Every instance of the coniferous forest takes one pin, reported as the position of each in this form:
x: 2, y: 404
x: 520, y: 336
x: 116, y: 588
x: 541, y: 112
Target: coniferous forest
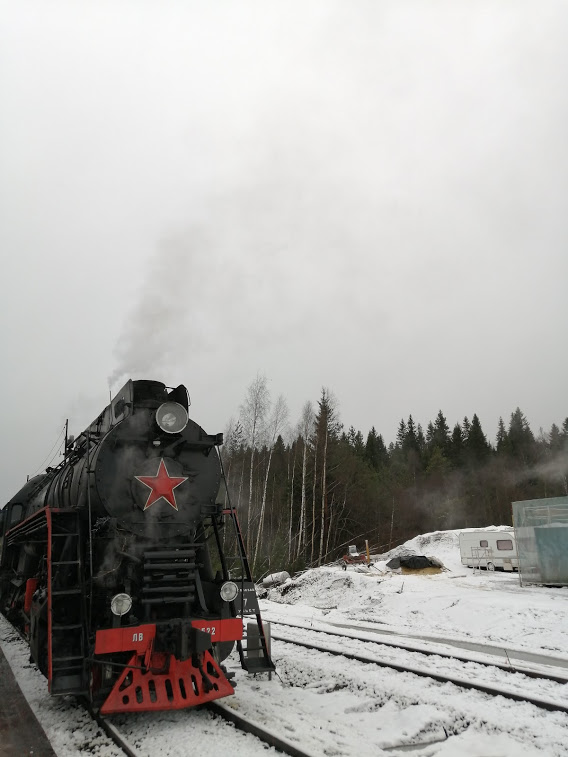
x: 305, y: 491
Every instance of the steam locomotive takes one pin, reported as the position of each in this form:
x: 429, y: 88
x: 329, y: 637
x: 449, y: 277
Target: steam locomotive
x: 112, y: 563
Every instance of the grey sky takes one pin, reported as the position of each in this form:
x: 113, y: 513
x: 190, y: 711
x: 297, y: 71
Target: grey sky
x: 369, y: 196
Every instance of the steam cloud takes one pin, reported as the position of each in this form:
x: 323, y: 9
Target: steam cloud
x: 167, y: 322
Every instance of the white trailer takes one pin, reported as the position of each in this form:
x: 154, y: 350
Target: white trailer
x: 489, y: 549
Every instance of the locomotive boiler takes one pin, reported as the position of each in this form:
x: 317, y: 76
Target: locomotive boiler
x: 112, y: 563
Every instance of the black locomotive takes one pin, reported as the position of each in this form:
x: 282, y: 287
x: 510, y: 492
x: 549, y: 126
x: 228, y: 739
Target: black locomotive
x: 112, y: 564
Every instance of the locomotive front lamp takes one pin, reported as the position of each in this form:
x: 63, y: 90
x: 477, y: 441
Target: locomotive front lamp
x: 120, y: 604
x: 172, y: 417
x: 229, y: 591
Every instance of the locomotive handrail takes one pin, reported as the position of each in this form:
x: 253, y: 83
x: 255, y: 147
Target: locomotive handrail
x: 22, y: 528
x: 90, y: 524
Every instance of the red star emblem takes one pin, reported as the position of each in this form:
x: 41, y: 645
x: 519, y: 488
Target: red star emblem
x: 161, y: 485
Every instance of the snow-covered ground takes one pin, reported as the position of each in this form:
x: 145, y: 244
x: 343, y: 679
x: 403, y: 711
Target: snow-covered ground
x: 331, y: 706
x: 458, y: 603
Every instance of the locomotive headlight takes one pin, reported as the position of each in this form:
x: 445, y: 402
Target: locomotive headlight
x: 229, y: 591
x: 171, y: 417
x: 120, y: 604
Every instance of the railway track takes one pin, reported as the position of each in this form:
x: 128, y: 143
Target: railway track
x: 219, y: 710
x: 546, y: 703
x: 542, y: 674
x: 301, y: 722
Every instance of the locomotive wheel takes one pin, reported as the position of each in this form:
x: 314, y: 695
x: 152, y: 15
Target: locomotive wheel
x: 229, y: 675
x: 222, y: 649
x: 95, y: 683
x: 38, y: 643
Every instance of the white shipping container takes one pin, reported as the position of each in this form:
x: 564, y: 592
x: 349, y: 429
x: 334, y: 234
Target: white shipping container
x: 489, y: 549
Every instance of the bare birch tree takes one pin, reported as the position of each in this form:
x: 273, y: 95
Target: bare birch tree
x: 291, y: 521
x: 274, y: 427
x: 306, y: 428
x: 314, y: 488
x: 233, y: 439
x: 252, y: 414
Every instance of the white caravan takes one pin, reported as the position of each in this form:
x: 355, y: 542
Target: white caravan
x: 489, y: 549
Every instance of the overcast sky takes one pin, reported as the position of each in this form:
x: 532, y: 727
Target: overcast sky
x: 370, y: 196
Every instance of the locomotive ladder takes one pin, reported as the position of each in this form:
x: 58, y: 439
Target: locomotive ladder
x: 66, y: 604
x: 257, y: 658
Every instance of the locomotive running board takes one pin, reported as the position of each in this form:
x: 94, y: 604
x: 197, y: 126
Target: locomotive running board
x: 181, y: 685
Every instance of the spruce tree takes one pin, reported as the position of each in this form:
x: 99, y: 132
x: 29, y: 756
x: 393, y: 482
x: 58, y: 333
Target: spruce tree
x: 441, y: 432
x: 411, y: 441
x: 382, y: 453
x: 502, y: 440
x: 371, y: 451
x: 359, y: 445
x: 555, y: 440
x: 421, y: 441
x: 456, y: 447
x: 327, y: 430
x: 477, y: 446
x: 521, y: 439
x: 401, y: 434
x: 438, y: 462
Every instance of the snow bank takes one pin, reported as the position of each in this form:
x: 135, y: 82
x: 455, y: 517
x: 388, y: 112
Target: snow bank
x: 456, y: 603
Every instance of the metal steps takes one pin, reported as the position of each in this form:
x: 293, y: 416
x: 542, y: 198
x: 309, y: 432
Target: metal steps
x: 256, y: 657
x: 66, y: 605
x: 171, y: 577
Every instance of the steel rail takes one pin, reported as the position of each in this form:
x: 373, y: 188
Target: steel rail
x: 415, y: 648
x: 248, y: 726
x: 544, y: 704
x: 112, y: 732
x: 221, y: 711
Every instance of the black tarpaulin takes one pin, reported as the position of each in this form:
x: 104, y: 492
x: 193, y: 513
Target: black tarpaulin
x: 414, y: 562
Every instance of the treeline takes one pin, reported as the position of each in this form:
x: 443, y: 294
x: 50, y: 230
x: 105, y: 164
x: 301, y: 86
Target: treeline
x: 304, y: 493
